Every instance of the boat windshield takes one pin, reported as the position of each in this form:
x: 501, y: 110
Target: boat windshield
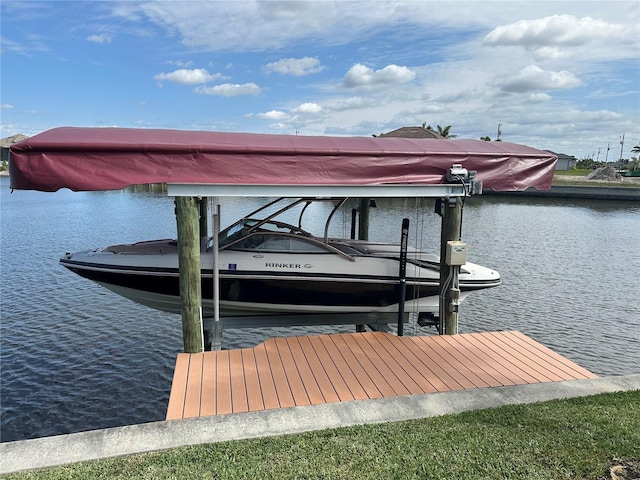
x: 269, y: 235
x: 278, y: 243
x: 236, y: 231
x: 273, y: 236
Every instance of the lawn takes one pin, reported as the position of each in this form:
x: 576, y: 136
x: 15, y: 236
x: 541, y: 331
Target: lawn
x: 572, y: 439
x: 580, y: 172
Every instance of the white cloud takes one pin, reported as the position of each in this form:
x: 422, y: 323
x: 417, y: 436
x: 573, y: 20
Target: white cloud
x: 351, y: 103
x: 185, y: 76
x: 230, y: 90
x: 295, y: 66
x: 272, y: 115
x: 539, y: 97
x: 553, y: 31
x: 533, y: 78
x: 308, y: 108
x: 102, y: 38
x: 558, y: 37
x: 7, y: 106
x: 362, y: 76
x: 181, y: 63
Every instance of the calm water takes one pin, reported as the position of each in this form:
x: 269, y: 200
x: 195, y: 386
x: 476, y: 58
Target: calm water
x: 76, y: 357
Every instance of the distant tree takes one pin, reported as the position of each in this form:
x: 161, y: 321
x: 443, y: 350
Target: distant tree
x: 486, y: 139
x: 585, y: 163
x: 636, y: 149
x: 634, y: 164
x: 4, y: 166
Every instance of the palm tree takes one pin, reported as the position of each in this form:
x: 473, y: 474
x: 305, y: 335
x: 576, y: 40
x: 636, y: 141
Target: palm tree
x: 441, y: 131
x: 445, y: 131
x: 636, y: 149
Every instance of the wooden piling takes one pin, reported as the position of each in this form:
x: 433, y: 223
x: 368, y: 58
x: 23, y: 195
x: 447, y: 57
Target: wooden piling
x: 189, y: 262
x: 363, y: 219
x: 451, y: 226
x: 204, y: 216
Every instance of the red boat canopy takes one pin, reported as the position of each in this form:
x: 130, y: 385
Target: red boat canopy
x: 113, y: 158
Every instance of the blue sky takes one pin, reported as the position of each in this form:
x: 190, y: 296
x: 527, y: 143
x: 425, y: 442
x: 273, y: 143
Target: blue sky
x: 556, y: 75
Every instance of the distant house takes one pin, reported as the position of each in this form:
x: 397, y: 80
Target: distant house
x: 565, y: 162
x: 6, y: 142
x: 411, y: 132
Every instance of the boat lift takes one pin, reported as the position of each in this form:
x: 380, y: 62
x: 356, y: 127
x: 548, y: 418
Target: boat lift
x: 449, y: 196
x: 215, y: 164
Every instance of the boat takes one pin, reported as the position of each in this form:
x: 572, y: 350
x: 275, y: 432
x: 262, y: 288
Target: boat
x: 268, y: 266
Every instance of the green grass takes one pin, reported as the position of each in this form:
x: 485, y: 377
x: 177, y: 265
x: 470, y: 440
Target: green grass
x: 559, y: 180
x: 572, y: 439
x: 579, y: 172
x: 594, y: 183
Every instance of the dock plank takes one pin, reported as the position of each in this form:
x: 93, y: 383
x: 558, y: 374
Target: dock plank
x: 283, y: 390
x: 353, y: 359
x: 446, y: 363
x: 309, y: 381
x: 294, y: 380
x: 394, y: 373
x: 515, y: 368
x: 252, y: 381
x: 411, y: 378
x: 549, y: 355
x: 265, y: 377
x: 208, y: 389
x: 475, y: 362
x: 175, y: 409
x: 518, y: 359
x: 343, y: 374
x: 318, y: 370
x: 295, y: 371
x: 437, y: 376
x: 223, y: 383
x: 239, y: 401
x: 497, y: 371
x: 194, y: 385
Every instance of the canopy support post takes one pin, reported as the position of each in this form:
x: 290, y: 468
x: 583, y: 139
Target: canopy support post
x: 216, y: 334
x: 189, y: 266
x: 363, y: 232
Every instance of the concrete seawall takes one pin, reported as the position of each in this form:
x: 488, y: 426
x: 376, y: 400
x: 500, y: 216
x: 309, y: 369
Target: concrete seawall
x: 148, y: 437
x: 574, y: 191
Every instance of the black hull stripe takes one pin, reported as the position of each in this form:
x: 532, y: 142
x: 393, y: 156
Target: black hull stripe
x: 268, y: 290
x: 251, y: 274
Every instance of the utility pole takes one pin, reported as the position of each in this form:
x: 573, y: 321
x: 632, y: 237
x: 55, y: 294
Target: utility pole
x: 499, y: 131
x: 621, y: 147
x: 606, y: 159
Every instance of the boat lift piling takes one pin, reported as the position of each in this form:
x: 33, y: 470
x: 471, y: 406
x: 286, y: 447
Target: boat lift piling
x: 189, y: 275
x: 363, y: 219
x: 203, y: 204
x: 451, y: 210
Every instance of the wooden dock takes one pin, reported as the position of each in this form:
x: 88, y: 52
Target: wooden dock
x: 295, y: 371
